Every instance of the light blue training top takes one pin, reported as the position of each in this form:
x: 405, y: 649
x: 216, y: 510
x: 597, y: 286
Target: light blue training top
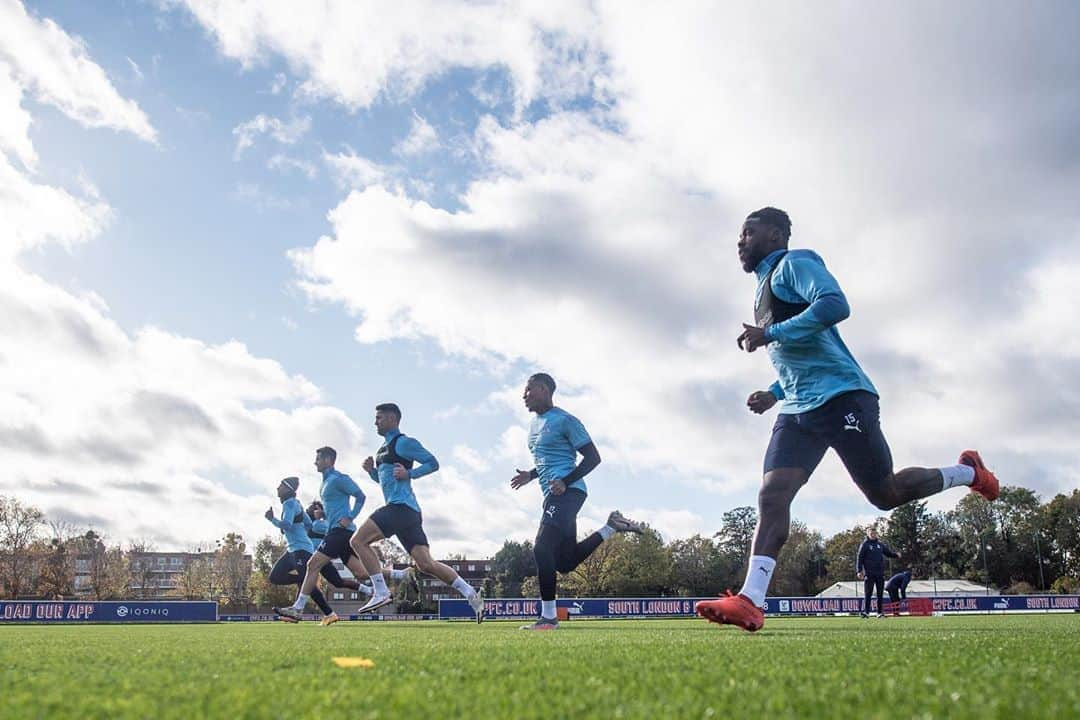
x: 813, y: 363
x: 400, y: 492
x: 554, y: 440
x: 337, y: 492
x: 293, y: 524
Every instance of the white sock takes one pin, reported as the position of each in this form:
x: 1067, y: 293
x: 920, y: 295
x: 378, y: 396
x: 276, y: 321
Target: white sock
x: 954, y: 475
x: 397, y: 575
x: 547, y: 609
x: 301, y: 601
x: 606, y: 532
x: 757, y: 578
x: 463, y: 587
x: 379, y: 583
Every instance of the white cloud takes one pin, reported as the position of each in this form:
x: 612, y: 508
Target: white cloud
x: 14, y: 121
x: 280, y: 80
x: 471, y: 459
x: 601, y: 246
x: 136, y: 71
x: 157, y: 434
x: 284, y: 163
x: 422, y: 138
x: 353, y: 51
x: 59, y: 69
x: 354, y: 171
x: 35, y: 214
x: 286, y: 132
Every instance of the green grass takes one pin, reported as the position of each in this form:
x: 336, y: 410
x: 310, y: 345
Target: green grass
x: 943, y: 667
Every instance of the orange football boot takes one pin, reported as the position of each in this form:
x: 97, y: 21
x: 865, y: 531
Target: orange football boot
x: 986, y: 484
x: 732, y: 610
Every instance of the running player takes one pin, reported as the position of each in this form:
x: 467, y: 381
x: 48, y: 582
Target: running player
x: 342, y: 500
x: 828, y: 402
x: 555, y: 439
x: 393, y: 468
x: 292, y: 565
x: 317, y: 532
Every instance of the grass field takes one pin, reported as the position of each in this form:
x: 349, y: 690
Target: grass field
x: 942, y: 667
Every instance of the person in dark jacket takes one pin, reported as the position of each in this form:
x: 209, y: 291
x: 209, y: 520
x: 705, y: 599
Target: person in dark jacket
x: 897, y: 586
x: 870, y: 567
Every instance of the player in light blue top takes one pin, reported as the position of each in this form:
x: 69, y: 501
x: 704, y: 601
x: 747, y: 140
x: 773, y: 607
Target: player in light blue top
x: 316, y: 530
x: 394, y: 467
x: 342, y: 500
x: 292, y: 565
x: 828, y: 402
x: 556, y: 438
x: 407, y: 451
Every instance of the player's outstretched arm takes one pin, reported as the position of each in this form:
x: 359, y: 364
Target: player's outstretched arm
x: 523, y: 477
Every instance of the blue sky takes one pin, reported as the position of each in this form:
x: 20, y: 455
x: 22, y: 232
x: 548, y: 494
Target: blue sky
x: 436, y: 199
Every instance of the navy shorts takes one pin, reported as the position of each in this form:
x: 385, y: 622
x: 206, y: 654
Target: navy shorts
x: 402, y: 521
x: 336, y: 545
x: 850, y: 424
x: 560, y: 511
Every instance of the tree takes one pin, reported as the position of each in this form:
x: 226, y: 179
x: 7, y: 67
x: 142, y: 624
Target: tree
x: 196, y: 581
x: 594, y: 576
x: 108, y: 574
x: 1060, y: 525
x: 142, y: 570
x: 390, y: 552
x: 981, y: 545
x: 694, y: 563
x: 800, y: 567
x: 232, y: 570
x: 56, y: 568
x: 735, y: 536
x: 904, y: 533
x: 841, y: 552
x: 943, y: 549
x: 19, y: 526
x: 640, y: 565
x: 512, y: 564
x: 263, y: 594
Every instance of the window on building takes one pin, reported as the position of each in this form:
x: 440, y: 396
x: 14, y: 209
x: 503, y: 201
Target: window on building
x: 487, y: 568
x: 472, y: 568
x: 174, y: 561
x: 339, y: 596
x: 354, y: 596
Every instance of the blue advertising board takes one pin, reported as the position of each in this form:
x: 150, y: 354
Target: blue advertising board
x: 113, y: 611
x: 521, y: 608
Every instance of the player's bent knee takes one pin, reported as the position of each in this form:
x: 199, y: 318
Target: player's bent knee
x: 883, y: 498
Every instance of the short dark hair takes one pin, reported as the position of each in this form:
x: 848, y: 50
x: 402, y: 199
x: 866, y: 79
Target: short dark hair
x: 775, y: 217
x: 389, y: 408
x: 545, y: 380
x: 327, y: 452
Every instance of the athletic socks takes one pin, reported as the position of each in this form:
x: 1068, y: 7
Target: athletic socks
x: 463, y: 587
x: 301, y: 601
x: 547, y: 609
x: 379, y: 583
x: 606, y: 532
x: 757, y: 578
x: 955, y: 475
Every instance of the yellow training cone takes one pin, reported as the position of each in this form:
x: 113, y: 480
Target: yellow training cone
x: 353, y: 662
